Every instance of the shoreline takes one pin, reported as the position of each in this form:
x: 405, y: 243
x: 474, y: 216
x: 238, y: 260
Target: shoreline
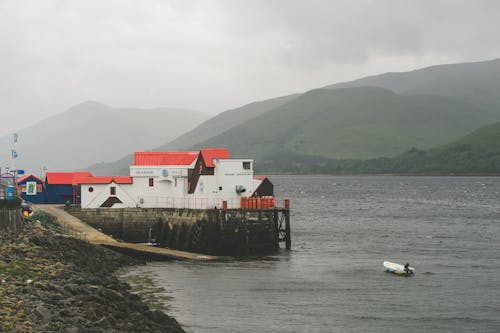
x: 49, y: 282
x: 386, y: 174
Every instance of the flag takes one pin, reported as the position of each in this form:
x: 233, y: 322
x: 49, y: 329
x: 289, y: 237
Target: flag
x: 15, y: 137
x: 14, y: 154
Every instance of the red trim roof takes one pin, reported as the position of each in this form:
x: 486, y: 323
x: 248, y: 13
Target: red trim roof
x: 209, y: 154
x: 65, y: 178
x: 24, y: 178
x: 104, y: 180
x: 164, y: 158
x: 260, y: 177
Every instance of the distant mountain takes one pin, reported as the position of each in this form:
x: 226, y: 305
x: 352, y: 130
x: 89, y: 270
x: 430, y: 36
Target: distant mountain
x: 475, y: 82
x: 377, y: 116
x: 363, y: 122
x: 92, y: 132
x: 421, y: 109
x: 212, y: 127
x: 223, y: 122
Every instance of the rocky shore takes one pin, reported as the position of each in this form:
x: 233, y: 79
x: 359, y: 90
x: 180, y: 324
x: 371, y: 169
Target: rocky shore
x: 53, y: 283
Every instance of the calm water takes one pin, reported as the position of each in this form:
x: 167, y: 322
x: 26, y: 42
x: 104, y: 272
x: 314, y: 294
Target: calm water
x: 448, y: 228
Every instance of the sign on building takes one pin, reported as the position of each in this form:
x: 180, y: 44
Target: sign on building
x: 30, y: 188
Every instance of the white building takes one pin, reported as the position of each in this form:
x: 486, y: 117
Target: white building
x: 204, y: 179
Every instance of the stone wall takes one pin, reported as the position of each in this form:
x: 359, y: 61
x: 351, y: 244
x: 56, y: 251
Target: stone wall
x: 213, y: 231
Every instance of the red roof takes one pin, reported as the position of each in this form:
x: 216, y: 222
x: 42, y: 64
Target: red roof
x: 104, y: 180
x: 209, y: 154
x: 165, y: 158
x: 260, y: 177
x: 65, y: 178
x: 24, y: 178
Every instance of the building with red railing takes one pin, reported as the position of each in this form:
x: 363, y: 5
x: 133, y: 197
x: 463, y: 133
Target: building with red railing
x: 203, y: 179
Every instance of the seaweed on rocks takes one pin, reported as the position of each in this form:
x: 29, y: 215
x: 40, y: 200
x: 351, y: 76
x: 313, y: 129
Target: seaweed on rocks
x: 52, y: 283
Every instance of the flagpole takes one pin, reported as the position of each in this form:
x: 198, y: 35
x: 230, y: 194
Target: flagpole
x: 14, y: 156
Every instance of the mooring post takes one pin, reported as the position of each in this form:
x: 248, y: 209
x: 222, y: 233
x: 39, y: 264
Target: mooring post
x: 288, y: 236
x: 276, y: 232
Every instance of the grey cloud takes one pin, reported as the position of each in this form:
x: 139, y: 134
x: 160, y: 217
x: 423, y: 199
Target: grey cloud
x: 214, y: 55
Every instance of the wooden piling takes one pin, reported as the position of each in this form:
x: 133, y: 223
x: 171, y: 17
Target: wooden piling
x: 276, y: 232
x: 288, y: 235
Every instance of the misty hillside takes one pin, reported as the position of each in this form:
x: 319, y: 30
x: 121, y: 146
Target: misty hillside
x: 362, y: 122
x: 213, y: 126
x: 423, y: 108
x: 476, y: 82
x: 476, y: 153
x: 92, y: 132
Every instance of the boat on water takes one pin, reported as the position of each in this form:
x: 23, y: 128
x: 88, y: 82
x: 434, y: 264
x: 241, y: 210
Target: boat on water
x: 398, y: 269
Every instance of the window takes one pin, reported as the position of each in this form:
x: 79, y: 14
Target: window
x: 112, y: 190
x: 151, y: 182
x: 220, y: 188
x: 91, y: 189
x: 246, y: 165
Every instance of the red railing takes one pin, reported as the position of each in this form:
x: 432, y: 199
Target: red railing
x: 267, y: 202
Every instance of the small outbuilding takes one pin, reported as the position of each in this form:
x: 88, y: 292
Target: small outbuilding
x: 106, y: 191
x: 31, y: 188
x: 61, y: 187
x: 263, y: 187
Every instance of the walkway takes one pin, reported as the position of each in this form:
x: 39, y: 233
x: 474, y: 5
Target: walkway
x: 84, y: 231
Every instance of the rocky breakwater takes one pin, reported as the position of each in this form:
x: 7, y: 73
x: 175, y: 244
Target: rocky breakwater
x: 52, y: 283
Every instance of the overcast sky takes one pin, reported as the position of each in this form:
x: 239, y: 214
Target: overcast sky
x: 216, y: 55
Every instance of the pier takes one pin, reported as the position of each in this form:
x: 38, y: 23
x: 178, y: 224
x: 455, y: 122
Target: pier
x: 81, y: 230
x: 217, y: 232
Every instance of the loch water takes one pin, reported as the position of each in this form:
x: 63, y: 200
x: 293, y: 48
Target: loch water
x: 333, y: 280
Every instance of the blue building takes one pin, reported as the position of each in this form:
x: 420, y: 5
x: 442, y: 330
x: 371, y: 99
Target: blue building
x: 31, y: 188
x: 61, y: 187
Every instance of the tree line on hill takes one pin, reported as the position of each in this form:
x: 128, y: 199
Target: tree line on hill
x: 476, y: 153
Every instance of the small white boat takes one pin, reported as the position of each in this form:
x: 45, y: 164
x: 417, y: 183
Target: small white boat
x: 398, y: 269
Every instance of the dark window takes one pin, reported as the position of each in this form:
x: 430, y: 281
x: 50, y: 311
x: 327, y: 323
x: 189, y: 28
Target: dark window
x: 246, y: 165
x: 91, y: 189
x: 151, y: 182
x: 220, y: 188
x: 112, y: 190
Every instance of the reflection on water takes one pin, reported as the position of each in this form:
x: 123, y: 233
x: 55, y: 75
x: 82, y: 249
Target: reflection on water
x: 343, y: 228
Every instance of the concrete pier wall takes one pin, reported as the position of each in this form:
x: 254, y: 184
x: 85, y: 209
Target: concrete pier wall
x: 213, y: 231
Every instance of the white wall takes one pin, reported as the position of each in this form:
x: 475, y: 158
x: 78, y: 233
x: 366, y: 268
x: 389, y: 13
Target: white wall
x: 101, y: 192
x: 170, y: 187
x: 222, y: 185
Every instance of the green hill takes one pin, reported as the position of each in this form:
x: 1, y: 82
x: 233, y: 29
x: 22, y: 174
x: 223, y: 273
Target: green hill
x: 476, y: 153
x: 383, y: 115
x: 92, y: 132
x: 362, y: 122
x: 224, y: 121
